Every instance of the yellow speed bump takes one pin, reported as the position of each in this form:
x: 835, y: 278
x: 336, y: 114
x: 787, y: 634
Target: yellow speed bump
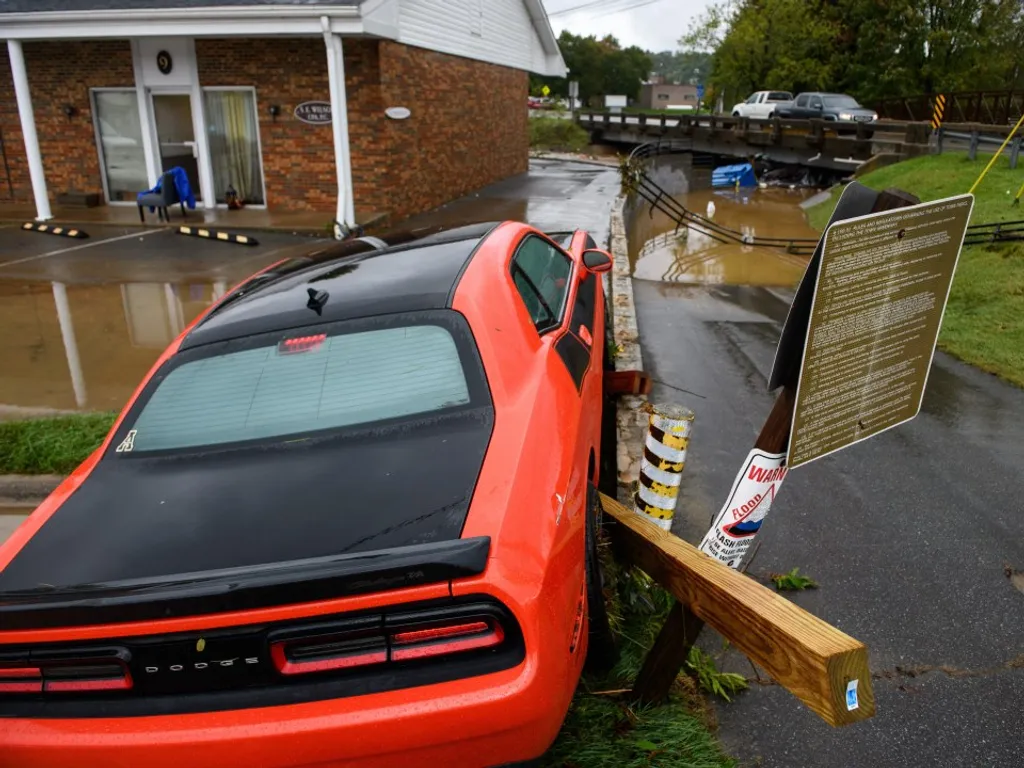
x: 49, y: 229
x: 214, y: 234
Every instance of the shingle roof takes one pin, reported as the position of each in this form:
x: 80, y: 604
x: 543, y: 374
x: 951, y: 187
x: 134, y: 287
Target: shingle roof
x: 27, y: 6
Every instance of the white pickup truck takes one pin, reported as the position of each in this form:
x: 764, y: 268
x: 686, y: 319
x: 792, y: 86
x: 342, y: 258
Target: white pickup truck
x: 761, y: 104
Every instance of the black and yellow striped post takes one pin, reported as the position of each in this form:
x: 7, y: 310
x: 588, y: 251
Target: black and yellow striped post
x: 938, y: 110
x: 215, y: 234
x: 661, y: 468
x: 50, y: 229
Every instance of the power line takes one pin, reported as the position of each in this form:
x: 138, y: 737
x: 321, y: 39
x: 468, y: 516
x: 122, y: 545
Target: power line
x: 582, y: 6
x: 639, y: 4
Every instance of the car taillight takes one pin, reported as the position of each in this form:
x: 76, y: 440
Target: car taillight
x: 66, y: 676
x: 320, y: 654
x: 409, y: 637
x: 445, y: 639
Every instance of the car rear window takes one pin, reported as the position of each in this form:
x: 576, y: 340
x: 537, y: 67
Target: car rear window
x: 300, y: 382
x: 779, y: 96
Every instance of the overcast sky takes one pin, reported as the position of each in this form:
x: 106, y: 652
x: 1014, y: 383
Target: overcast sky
x: 652, y: 24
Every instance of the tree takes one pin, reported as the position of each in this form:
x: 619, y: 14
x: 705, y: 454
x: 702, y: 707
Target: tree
x: 600, y: 66
x: 681, y: 67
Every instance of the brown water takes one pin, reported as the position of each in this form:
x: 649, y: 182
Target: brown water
x: 86, y: 347
x: 659, y: 253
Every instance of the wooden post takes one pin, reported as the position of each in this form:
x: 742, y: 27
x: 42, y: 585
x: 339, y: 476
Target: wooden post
x: 684, y: 624
x: 813, y: 660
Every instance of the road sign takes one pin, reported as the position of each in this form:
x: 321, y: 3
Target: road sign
x: 748, y: 504
x: 574, y: 89
x: 545, y: 91
x: 878, y: 302
x: 700, y: 93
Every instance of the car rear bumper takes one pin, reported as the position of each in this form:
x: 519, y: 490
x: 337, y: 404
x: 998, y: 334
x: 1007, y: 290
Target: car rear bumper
x: 491, y: 720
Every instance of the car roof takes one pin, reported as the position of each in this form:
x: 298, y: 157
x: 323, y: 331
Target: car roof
x: 353, y: 279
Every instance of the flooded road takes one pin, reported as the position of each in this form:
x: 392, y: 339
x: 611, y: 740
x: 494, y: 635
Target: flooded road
x: 659, y: 253
x: 84, y: 320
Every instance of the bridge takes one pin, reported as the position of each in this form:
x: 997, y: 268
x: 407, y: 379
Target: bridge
x: 825, y: 144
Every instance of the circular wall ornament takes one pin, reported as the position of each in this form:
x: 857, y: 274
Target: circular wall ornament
x: 397, y: 113
x: 164, y: 62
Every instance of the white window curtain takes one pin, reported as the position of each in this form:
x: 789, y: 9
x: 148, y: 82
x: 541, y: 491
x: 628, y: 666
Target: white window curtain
x: 234, y: 146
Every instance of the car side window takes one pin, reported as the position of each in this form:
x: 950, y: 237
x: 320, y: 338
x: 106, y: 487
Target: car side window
x: 753, y: 99
x: 801, y: 101
x: 815, y: 102
x: 541, y: 274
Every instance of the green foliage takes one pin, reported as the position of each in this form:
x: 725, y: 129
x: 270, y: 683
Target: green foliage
x: 792, y: 581
x: 554, y: 133
x: 600, y: 66
x: 51, y: 446
x: 681, y: 67
x: 984, y: 321
x: 717, y: 683
x: 864, y: 47
x: 604, y: 730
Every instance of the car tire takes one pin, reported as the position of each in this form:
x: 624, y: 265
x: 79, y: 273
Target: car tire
x: 771, y: 115
x: 602, y: 649
x: 736, y: 114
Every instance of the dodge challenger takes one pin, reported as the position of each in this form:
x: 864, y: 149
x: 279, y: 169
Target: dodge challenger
x: 349, y: 518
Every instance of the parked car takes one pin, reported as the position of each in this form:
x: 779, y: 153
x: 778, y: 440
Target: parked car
x: 761, y: 104
x: 829, y: 106
x: 349, y: 518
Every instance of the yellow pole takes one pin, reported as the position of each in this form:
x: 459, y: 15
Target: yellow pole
x: 996, y: 155
x: 1016, y: 198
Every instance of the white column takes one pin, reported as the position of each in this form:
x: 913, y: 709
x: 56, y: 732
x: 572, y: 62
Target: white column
x: 145, y: 121
x: 67, y: 333
x: 28, y: 130
x: 339, y: 124
x: 208, y: 193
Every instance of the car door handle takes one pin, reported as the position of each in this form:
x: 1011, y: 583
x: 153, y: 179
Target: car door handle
x: 585, y: 336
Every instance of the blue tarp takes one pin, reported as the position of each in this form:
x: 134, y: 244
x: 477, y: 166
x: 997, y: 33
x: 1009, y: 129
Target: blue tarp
x: 727, y: 176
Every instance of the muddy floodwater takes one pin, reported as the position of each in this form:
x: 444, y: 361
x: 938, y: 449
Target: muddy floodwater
x: 658, y: 252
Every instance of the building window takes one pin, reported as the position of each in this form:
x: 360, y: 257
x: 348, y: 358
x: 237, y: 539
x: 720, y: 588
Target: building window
x: 119, y: 135
x: 662, y: 97
x: 234, y: 144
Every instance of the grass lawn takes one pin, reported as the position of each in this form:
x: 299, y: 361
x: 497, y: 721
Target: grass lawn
x: 984, y: 322
x: 554, y: 133
x: 605, y: 730
x: 51, y: 446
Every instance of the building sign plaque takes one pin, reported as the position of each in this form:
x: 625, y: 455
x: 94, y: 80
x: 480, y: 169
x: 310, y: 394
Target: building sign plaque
x: 314, y: 112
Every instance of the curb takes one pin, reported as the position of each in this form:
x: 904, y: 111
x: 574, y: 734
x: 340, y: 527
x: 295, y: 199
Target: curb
x: 27, y: 490
x: 630, y: 418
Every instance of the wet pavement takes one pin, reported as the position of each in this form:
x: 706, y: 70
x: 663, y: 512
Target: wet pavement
x: 84, y: 320
x: 11, y: 518
x: 908, y: 534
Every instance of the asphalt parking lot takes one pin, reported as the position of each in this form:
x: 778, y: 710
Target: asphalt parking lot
x: 118, y: 253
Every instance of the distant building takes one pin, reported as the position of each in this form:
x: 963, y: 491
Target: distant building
x: 341, y: 106
x: 658, y: 95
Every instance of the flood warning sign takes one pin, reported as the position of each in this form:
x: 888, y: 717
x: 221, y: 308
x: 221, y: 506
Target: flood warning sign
x: 748, y: 504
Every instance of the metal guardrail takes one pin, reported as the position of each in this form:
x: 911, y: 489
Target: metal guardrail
x: 635, y: 178
x: 975, y: 138
x: 989, y: 107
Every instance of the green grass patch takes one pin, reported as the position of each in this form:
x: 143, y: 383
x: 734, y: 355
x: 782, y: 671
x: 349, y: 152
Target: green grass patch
x: 792, y: 581
x: 604, y: 729
x: 51, y: 446
x: 984, y: 322
x: 556, y: 134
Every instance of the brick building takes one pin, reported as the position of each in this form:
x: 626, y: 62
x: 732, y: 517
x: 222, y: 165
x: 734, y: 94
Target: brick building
x: 342, y: 106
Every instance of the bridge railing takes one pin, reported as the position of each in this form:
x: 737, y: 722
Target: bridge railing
x: 985, y: 107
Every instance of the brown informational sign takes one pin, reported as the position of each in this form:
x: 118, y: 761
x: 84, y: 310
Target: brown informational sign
x: 878, y: 303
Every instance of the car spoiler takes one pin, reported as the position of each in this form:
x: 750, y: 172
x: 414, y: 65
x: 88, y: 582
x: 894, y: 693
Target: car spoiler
x: 245, y: 588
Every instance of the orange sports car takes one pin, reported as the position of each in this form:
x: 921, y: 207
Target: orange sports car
x: 348, y: 519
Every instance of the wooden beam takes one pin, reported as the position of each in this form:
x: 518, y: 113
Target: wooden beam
x: 668, y: 655
x: 811, y: 659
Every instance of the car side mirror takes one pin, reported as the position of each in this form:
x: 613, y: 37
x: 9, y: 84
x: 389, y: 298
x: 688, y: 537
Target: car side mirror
x: 596, y: 260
